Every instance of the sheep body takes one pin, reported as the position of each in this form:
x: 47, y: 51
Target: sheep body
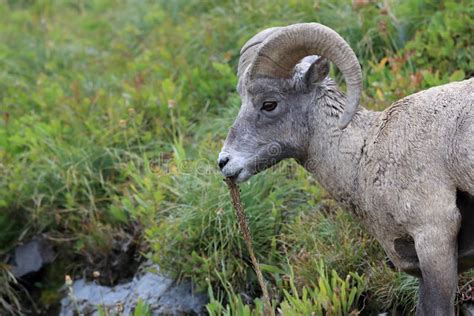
x: 420, y: 151
x: 401, y: 172
x: 388, y: 165
x: 407, y: 173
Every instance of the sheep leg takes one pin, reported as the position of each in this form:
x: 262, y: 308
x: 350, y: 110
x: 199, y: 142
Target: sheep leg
x: 437, y: 253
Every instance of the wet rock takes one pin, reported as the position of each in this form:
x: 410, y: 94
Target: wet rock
x: 161, y: 294
x: 31, y: 257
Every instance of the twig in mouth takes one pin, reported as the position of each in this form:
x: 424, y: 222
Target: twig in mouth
x: 244, y: 228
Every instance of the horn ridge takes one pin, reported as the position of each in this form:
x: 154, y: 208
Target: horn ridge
x: 280, y: 51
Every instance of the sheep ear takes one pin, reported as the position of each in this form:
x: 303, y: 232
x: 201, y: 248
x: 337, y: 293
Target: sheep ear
x: 316, y: 73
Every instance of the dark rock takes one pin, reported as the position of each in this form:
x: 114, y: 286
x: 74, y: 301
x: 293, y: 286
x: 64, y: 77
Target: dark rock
x: 180, y: 299
x: 31, y: 257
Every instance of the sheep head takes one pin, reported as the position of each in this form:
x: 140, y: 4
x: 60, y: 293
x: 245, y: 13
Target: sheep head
x: 279, y: 69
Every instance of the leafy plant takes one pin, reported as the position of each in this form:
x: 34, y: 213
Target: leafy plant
x: 235, y: 307
x: 332, y: 295
x: 141, y: 309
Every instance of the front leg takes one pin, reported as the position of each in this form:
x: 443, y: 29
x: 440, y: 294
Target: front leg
x: 436, y: 247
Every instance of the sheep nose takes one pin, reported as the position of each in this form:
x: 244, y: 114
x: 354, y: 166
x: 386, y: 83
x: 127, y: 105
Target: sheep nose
x: 223, y: 160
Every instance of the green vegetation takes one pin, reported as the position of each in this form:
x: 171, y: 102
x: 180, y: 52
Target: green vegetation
x: 112, y: 115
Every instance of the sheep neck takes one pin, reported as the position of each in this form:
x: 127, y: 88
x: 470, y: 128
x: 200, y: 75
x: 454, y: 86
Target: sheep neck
x: 333, y: 155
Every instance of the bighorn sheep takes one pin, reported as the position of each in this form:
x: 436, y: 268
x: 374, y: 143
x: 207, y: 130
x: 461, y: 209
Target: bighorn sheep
x: 407, y: 173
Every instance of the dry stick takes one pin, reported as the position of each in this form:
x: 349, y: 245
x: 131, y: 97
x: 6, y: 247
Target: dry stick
x: 239, y: 212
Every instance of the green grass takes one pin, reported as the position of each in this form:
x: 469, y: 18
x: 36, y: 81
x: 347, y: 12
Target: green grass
x: 112, y: 115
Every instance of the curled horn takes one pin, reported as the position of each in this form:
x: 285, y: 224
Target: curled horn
x: 283, y: 48
x: 250, y: 49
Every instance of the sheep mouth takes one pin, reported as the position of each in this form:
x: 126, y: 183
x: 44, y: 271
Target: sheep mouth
x: 241, y: 175
x: 250, y: 169
x: 235, y: 175
x: 238, y: 173
x: 240, y: 170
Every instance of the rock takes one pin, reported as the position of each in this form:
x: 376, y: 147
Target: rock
x: 31, y: 257
x: 180, y: 299
x: 161, y: 294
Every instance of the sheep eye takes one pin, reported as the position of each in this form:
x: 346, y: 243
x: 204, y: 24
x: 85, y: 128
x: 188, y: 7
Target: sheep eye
x: 269, y: 106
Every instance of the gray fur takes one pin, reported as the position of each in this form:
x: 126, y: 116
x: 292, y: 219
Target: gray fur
x: 406, y: 173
